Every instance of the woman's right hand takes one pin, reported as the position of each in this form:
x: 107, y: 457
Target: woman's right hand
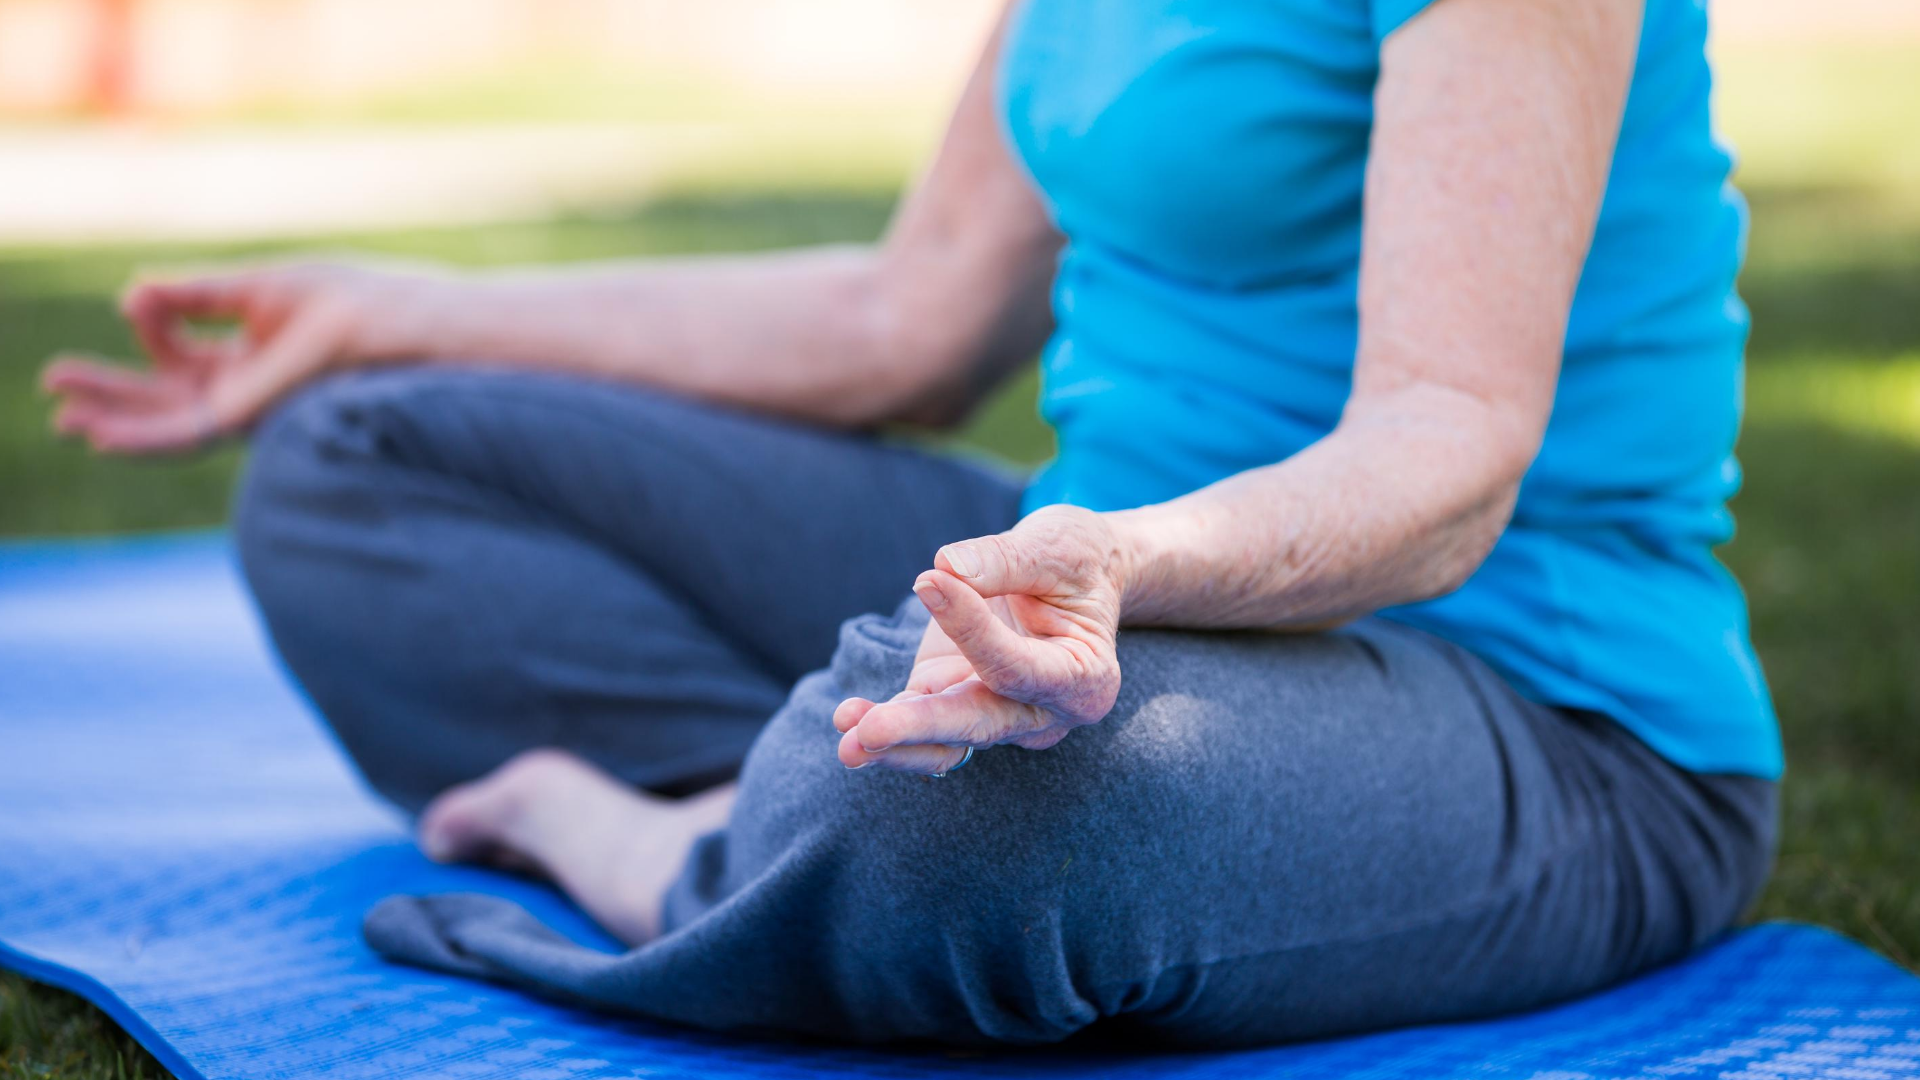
x: 295, y: 322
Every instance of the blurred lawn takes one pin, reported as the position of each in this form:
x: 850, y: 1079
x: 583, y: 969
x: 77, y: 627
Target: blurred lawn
x: 1829, y: 520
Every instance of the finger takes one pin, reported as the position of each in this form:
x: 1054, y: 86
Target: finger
x: 158, y: 311
x: 79, y: 375
x: 162, y: 418
x: 246, y: 390
x: 927, y: 677
x: 933, y: 642
x: 221, y: 294
x: 169, y: 431
x: 967, y: 715
x: 934, y: 674
x: 1007, y: 662
x: 849, y: 712
x: 996, y: 566
x: 73, y: 417
x: 925, y: 760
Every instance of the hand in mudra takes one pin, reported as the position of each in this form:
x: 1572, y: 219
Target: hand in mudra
x: 1020, y: 649
x: 293, y: 322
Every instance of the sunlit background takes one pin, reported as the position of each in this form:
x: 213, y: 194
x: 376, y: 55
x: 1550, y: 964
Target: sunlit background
x: 157, y: 132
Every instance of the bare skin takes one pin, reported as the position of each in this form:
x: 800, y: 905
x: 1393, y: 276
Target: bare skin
x: 1494, y: 128
x: 917, y: 327
x: 610, y: 847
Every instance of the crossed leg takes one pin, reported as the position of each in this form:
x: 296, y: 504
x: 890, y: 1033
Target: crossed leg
x: 459, y: 565
x: 1271, y: 837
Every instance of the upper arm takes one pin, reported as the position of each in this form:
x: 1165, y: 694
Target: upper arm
x: 969, y: 257
x: 1494, y: 126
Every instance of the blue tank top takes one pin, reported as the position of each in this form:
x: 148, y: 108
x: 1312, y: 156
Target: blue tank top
x: 1204, y: 159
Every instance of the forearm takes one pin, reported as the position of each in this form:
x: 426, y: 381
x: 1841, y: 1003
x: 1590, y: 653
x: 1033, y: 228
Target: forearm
x: 1399, y: 504
x: 803, y: 333
x: 1494, y: 128
x: 918, y: 326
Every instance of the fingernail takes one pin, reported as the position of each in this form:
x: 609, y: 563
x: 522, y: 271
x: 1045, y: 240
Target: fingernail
x: 856, y: 768
x: 930, y: 596
x: 964, y: 562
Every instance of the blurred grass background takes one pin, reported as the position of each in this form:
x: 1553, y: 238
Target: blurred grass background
x: 1829, y: 522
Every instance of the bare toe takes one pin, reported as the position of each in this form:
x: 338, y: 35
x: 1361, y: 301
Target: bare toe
x: 614, y: 849
x: 484, y: 820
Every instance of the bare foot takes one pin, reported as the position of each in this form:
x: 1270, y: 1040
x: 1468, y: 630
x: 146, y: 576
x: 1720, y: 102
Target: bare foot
x: 613, y: 848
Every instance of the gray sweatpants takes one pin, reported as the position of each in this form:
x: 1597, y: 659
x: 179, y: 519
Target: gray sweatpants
x: 1271, y: 837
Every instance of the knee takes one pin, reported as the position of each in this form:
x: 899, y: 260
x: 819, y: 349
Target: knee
x: 309, y: 526
x: 320, y: 472
x: 292, y: 474
x: 989, y: 905
x: 943, y: 916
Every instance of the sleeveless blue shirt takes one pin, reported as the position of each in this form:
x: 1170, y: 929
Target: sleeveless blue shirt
x: 1204, y: 159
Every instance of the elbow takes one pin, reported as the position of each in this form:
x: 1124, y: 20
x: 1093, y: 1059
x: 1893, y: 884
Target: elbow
x: 1458, y: 461
x: 1466, y: 542
x: 871, y: 368
x: 1512, y: 448
x: 906, y: 369
x: 1499, y: 448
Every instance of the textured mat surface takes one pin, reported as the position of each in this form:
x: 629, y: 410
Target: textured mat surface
x: 180, y: 843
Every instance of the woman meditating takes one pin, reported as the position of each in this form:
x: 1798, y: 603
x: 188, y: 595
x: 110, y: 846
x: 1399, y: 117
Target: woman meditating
x: 1360, y: 660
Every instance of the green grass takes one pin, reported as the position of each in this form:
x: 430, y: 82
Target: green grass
x: 46, y: 1034
x: 1829, y: 524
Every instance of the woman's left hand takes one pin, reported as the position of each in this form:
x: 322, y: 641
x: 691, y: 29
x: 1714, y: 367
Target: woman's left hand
x: 1020, y: 649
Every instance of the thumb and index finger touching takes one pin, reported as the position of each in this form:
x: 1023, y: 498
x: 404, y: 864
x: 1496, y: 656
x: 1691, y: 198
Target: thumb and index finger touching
x: 956, y: 592
x: 159, y: 308
x: 193, y: 394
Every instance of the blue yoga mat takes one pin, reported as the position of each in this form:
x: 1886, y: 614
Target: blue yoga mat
x: 181, y: 844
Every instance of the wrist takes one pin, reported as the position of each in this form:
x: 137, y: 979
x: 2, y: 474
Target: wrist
x: 1150, y: 546
x: 419, y: 316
